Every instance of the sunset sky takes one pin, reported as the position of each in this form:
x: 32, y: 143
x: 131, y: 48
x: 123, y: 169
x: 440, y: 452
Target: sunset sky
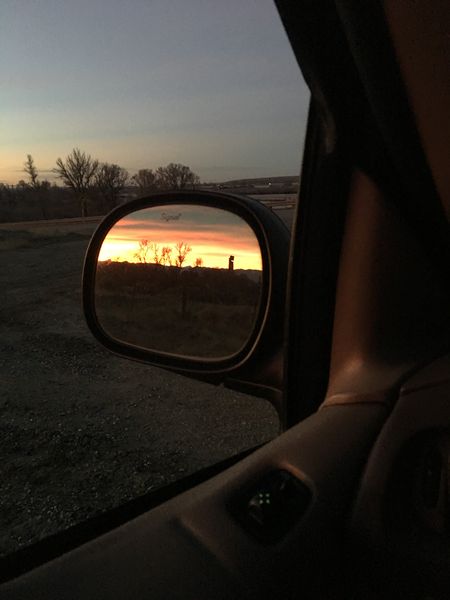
x: 213, y: 235
x: 142, y: 83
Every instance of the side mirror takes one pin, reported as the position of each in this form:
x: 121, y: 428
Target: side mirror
x: 187, y: 281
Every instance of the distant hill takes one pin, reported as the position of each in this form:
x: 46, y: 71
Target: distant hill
x: 288, y: 184
x: 263, y: 181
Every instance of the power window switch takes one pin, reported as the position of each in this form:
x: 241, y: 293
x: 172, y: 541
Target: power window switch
x: 270, y: 508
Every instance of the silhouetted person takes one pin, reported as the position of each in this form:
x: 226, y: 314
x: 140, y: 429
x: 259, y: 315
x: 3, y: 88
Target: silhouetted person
x: 231, y: 263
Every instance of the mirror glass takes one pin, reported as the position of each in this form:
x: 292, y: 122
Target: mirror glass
x: 184, y: 279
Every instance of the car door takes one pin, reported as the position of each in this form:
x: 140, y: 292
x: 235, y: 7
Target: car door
x: 357, y: 484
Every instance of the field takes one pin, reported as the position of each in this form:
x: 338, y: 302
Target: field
x: 198, y: 312
x: 81, y: 430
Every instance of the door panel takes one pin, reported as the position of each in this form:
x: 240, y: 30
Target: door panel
x: 193, y: 547
x: 400, y: 524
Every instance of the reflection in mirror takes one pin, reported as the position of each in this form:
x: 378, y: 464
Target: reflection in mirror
x: 184, y: 279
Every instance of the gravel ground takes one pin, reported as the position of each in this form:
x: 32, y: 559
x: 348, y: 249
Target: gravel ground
x: 81, y: 430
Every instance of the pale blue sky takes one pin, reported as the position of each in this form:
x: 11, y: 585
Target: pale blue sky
x: 211, y: 84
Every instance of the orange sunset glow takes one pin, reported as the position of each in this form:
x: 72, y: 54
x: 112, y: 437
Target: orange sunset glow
x: 212, y: 234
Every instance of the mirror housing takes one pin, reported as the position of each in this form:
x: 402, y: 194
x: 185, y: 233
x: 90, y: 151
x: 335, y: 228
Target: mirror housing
x: 257, y: 366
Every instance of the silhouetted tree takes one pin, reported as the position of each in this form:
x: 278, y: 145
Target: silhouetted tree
x: 176, y: 177
x: 173, y: 176
x: 156, y: 254
x: 8, y: 201
x: 141, y: 254
x: 145, y: 180
x: 166, y: 253
x: 110, y: 179
x: 78, y: 172
x: 30, y: 169
x: 40, y: 189
x: 198, y: 262
x: 182, y: 250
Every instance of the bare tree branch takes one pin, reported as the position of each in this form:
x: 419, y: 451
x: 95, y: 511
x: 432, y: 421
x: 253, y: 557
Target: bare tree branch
x: 30, y: 169
x: 78, y: 172
x: 182, y: 250
x: 145, y: 180
x: 110, y: 179
x: 176, y: 177
x: 143, y: 249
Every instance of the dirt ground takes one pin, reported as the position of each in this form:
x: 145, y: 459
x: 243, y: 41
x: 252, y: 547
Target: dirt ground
x: 81, y: 430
